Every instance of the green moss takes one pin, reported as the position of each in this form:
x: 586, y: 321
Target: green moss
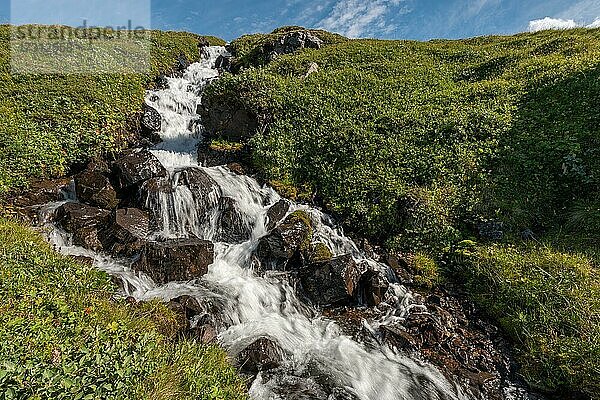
x: 426, y: 273
x: 225, y: 145
x: 63, y: 335
x: 302, y: 218
x: 319, y: 252
x: 549, y: 303
x: 51, y: 122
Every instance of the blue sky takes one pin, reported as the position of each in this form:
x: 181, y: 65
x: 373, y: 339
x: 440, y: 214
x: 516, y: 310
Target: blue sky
x: 390, y: 19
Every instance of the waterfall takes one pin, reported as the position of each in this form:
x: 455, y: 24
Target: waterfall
x: 252, y: 306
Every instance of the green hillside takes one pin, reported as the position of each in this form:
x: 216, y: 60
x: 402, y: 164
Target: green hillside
x: 421, y: 145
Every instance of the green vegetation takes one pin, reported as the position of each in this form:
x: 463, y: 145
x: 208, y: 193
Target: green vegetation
x: 414, y: 142
x: 548, y: 302
x: 53, y: 121
x: 416, y: 145
x: 62, y: 335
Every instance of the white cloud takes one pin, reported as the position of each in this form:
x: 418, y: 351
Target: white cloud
x: 551, y: 23
x: 595, y: 24
x: 559, y: 23
x: 355, y: 18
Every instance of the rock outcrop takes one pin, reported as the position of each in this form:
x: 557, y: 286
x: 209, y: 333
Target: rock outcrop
x: 137, y: 168
x: 262, y: 355
x: 83, y: 222
x: 175, y: 259
x: 282, y: 248
x: 333, y: 282
x: 127, y: 232
x: 93, y: 187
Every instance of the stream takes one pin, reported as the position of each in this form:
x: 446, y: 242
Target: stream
x: 252, y: 305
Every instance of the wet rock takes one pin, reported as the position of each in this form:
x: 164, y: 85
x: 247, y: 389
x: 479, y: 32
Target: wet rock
x: 451, y: 335
x: 319, y: 252
x: 94, y: 188
x: 83, y: 222
x: 43, y: 192
x: 83, y: 260
x: 398, y: 338
x: 137, y: 168
x: 223, y: 63
x: 76, y: 216
x: 232, y: 226
x: 228, y: 118
x: 175, y: 260
x: 161, y: 83
x: 206, y: 333
x: 203, y: 42
x: 286, y: 242
x: 127, y: 233
x: 262, y: 355
x: 190, y: 306
x: 292, y: 387
x: 373, y: 287
x: 332, y: 282
x: 151, y: 121
x: 198, y: 181
x: 276, y: 213
x: 182, y: 63
x: 237, y: 168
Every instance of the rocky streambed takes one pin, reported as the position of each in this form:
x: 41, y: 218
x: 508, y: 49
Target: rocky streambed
x: 303, y: 310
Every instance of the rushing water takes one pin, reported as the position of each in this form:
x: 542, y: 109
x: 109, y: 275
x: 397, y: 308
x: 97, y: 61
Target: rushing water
x: 252, y: 306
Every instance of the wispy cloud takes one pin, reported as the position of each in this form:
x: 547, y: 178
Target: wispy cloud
x: 558, y: 24
x: 355, y: 18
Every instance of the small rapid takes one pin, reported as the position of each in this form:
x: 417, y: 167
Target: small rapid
x: 252, y: 305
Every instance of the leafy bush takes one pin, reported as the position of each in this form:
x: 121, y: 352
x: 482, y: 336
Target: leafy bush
x: 62, y: 335
x: 548, y: 301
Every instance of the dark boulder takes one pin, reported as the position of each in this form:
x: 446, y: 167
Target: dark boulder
x: 224, y: 63
x: 182, y: 63
x: 94, y: 188
x: 233, y: 228
x: 373, y: 288
x: 43, y: 192
x: 161, y: 82
x: 203, y: 42
x: 127, y: 233
x: 227, y: 117
x: 83, y: 222
x: 262, y: 355
x: 151, y: 122
x: 198, y: 181
x: 276, y: 213
x: 175, y: 259
x: 137, y: 168
x: 75, y: 216
x: 332, y: 282
x: 286, y: 243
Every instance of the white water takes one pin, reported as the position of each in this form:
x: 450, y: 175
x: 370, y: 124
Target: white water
x: 252, y: 306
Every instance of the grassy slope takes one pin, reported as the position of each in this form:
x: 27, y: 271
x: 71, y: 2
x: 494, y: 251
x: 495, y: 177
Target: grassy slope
x: 62, y: 335
x: 416, y: 143
x: 53, y: 121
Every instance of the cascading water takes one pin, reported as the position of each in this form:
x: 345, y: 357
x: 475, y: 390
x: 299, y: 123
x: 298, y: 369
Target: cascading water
x: 252, y: 306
